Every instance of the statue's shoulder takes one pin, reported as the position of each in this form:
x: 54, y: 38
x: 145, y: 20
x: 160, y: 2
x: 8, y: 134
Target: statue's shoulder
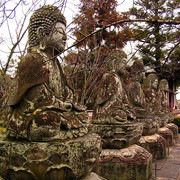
x: 31, y: 71
x: 108, y: 87
x: 30, y: 60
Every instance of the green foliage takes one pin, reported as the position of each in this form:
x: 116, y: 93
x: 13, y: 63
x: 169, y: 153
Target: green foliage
x: 155, y: 39
x: 177, y: 121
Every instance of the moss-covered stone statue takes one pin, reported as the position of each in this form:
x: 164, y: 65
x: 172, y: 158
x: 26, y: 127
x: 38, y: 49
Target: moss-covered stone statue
x: 112, y: 104
x: 163, y: 88
x: 42, y: 103
x: 137, y: 99
x: 46, y: 134
x: 167, y: 116
x: 135, y: 86
x: 113, y: 118
x: 153, y: 98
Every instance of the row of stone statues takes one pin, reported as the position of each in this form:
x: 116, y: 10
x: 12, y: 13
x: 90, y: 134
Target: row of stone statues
x: 126, y: 96
x: 60, y: 141
x: 42, y: 104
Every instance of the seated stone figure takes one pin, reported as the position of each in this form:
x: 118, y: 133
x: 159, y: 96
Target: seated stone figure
x: 111, y: 103
x: 137, y: 99
x: 42, y: 106
x: 153, y: 96
x: 163, y: 87
x: 113, y: 118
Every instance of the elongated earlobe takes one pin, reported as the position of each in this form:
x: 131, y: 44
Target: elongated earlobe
x: 42, y: 45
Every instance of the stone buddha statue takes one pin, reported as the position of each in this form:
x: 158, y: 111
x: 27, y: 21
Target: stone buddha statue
x: 42, y: 105
x: 111, y: 103
x: 163, y: 88
x: 135, y: 92
x: 113, y: 119
x: 152, y: 94
x: 137, y: 99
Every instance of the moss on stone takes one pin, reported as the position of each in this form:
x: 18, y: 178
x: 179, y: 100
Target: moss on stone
x: 2, y: 130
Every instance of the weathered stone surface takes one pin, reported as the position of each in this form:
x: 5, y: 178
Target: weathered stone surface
x: 20, y: 173
x: 167, y: 134
x: 133, y: 83
x: 174, y: 128
x: 59, y: 172
x: 132, y: 163
x: 111, y: 105
x: 155, y: 144
x: 75, y: 158
x: 3, y: 167
x: 47, y: 129
x: 42, y: 106
x: 163, y: 88
x: 118, y: 136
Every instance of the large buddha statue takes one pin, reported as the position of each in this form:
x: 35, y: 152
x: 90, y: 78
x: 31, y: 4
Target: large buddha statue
x: 42, y: 106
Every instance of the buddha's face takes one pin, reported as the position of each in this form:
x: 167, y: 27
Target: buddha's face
x: 57, y: 39
x: 163, y: 86
x: 120, y: 67
x: 155, y: 83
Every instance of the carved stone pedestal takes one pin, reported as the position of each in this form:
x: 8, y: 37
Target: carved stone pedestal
x: 118, y: 136
x: 132, y: 163
x: 174, y: 128
x: 167, y: 134
x: 155, y: 144
x: 68, y: 160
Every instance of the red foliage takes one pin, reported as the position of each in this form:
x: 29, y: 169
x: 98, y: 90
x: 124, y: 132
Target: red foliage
x: 96, y: 14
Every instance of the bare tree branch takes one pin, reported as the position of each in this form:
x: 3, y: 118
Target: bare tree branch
x: 12, y: 51
x: 124, y: 21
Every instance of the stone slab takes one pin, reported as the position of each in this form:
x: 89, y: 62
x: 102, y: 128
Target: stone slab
x: 169, y: 171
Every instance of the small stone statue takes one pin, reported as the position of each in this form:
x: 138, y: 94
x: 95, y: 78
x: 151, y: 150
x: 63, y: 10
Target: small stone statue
x: 135, y: 92
x: 137, y: 98
x: 163, y: 88
x: 153, y: 96
x: 42, y: 106
x: 111, y: 103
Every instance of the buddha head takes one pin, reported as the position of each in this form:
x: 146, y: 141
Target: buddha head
x: 152, y: 81
x: 47, y: 29
x: 115, y: 62
x: 137, y: 71
x: 163, y: 85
